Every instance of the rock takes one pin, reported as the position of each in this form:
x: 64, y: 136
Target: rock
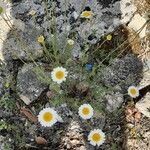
x: 148, y: 63
x: 40, y: 140
x: 137, y: 26
x: 114, y: 101
x: 29, y: 87
x: 23, y: 9
x: 64, y: 112
x: 144, y: 105
x: 82, y: 148
x: 23, y: 45
x: 75, y: 142
x: 98, y: 121
x: 68, y: 146
x: 107, y: 16
x: 73, y: 138
x: 4, y: 30
x: 124, y: 72
x: 19, y: 38
x: 146, y: 78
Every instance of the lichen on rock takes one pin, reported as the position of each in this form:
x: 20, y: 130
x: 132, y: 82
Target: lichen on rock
x: 29, y: 87
x: 123, y: 72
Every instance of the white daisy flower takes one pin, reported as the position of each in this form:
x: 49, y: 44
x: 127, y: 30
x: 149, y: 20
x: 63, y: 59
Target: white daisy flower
x: 48, y: 117
x: 133, y: 91
x: 96, y: 137
x: 70, y: 42
x: 85, y: 111
x: 59, y: 74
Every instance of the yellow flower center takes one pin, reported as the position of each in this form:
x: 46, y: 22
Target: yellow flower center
x: 41, y: 39
x: 47, y: 116
x: 109, y: 37
x: 87, y: 14
x: 1, y: 10
x: 96, y: 137
x: 85, y: 111
x: 133, y: 91
x: 70, y: 42
x: 59, y: 74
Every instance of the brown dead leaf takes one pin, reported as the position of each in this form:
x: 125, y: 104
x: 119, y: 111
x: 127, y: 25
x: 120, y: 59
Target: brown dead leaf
x: 40, y: 140
x: 29, y: 114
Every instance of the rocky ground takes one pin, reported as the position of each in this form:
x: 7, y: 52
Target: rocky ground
x: 125, y: 121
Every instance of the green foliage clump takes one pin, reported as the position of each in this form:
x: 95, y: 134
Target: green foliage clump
x: 7, y: 102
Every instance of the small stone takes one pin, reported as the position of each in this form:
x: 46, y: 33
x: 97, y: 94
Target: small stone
x: 74, y: 127
x: 75, y: 142
x: 130, y: 126
x: 68, y: 146
x: 83, y: 148
x: 40, y: 140
x: 114, y: 101
x: 25, y: 99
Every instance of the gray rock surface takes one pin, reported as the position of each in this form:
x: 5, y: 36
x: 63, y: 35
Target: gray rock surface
x: 114, y: 101
x: 23, y: 44
x: 124, y: 72
x: 64, y: 112
x: 144, y: 105
x: 107, y: 15
x: 29, y: 87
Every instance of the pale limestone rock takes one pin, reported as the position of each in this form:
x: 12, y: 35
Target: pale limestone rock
x: 137, y: 23
x: 144, y: 105
x: 127, y: 8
